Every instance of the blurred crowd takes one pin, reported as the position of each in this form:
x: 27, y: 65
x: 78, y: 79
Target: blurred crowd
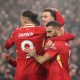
x: 10, y: 11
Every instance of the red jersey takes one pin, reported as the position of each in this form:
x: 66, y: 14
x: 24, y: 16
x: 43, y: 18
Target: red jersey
x: 24, y: 38
x: 58, y: 65
x: 64, y: 37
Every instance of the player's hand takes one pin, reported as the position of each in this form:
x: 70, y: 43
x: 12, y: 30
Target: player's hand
x: 31, y: 52
x: 6, y: 57
x: 48, y: 44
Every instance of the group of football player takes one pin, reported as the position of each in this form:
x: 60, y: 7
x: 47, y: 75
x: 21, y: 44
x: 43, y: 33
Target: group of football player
x: 42, y: 50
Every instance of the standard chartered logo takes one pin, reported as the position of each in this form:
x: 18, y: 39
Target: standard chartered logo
x: 26, y: 42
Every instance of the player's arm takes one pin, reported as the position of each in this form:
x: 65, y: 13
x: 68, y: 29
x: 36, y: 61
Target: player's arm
x: 10, y: 60
x: 42, y: 59
x: 50, y: 53
x: 59, y: 17
x: 10, y: 42
x: 65, y: 37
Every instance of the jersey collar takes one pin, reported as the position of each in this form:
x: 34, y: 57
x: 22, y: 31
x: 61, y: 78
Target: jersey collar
x: 28, y: 25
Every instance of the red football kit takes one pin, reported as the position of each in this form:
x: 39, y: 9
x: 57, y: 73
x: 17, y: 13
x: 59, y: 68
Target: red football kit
x: 25, y: 64
x: 64, y: 37
x: 27, y: 68
x: 58, y: 65
x: 60, y: 19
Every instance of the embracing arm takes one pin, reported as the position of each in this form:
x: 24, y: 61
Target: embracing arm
x: 59, y: 18
x: 50, y: 53
x: 65, y: 37
x: 41, y: 59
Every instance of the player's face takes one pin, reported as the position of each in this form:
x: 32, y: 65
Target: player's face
x: 50, y: 31
x: 46, y: 17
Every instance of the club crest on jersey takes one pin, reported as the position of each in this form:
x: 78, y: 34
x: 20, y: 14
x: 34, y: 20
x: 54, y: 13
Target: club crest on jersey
x: 53, y: 46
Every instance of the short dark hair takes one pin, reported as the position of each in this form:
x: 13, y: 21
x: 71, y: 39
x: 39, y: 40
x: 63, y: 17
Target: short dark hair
x: 53, y: 23
x: 32, y: 16
x: 51, y: 11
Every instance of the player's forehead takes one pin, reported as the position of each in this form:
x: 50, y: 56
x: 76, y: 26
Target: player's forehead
x: 49, y: 28
x: 46, y: 13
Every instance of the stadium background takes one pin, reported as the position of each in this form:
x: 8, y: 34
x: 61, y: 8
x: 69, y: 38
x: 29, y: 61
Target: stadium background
x: 10, y: 11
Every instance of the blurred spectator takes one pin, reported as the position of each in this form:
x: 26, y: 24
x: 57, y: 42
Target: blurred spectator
x: 73, y: 72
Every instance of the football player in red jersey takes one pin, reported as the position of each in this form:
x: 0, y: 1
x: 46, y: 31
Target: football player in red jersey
x: 28, y: 35
x: 56, y: 55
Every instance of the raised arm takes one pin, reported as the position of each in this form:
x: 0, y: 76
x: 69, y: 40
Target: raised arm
x: 59, y: 18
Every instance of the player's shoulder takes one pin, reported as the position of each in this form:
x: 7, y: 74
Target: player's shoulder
x: 36, y: 29
x: 18, y: 29
x: 15, y: 31
x: 41, y: 28
x: 61, y: 44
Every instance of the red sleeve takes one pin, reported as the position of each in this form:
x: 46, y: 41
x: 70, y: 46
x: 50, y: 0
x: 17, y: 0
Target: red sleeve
x: 51, y: 52
x: 59, y: 18
x: 64, y: 37
x: 9, y: 43
x: 12, y: 62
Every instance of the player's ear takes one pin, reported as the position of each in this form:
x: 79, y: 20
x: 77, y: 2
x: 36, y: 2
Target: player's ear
x: 25, y: 22
x: 56, y: 30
